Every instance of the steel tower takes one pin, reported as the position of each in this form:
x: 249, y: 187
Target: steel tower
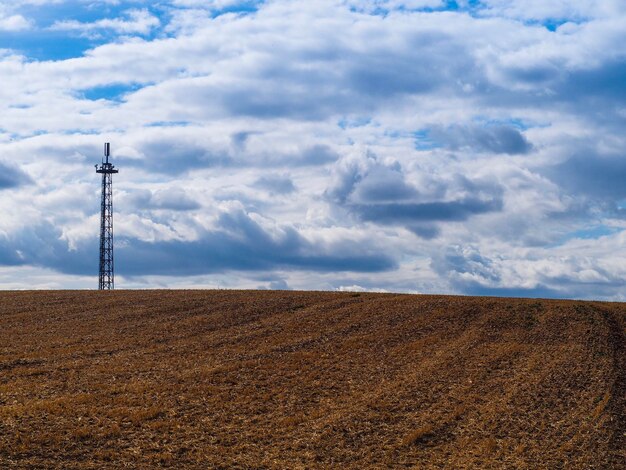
x: 106, y: 279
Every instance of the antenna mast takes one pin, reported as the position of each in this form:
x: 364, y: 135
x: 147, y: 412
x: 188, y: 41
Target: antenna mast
x: 106, y: 279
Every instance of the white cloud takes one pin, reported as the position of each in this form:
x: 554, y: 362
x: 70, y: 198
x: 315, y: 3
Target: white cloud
x: 134, y: 22
x: 555, y: 9
x: 374, y: 5
x: 14, y: 23
x: 319, y: 147
x: 211, y: 4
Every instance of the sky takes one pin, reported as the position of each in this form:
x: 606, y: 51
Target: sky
x: 424, y: 146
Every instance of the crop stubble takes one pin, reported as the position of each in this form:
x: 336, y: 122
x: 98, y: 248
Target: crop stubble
x: 253, y: 379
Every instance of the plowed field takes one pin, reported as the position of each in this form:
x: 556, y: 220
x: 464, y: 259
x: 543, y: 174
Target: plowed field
x: 235, y: 379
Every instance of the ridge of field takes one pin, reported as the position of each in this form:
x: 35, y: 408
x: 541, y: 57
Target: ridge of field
x: 277, y: 379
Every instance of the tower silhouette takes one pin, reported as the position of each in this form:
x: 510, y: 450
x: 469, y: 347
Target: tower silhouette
x: 107, y: 276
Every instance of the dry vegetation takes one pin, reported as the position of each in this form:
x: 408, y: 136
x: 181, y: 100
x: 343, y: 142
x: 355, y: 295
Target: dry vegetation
x: 230, y: 379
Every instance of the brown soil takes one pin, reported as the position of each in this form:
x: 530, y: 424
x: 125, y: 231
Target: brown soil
x: 233, y: 379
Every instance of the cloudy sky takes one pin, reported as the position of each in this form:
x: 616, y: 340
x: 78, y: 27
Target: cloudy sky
x: 431, y: 146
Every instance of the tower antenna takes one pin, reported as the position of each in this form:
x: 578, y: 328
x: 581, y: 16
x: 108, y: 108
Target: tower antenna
x: 106, y: 279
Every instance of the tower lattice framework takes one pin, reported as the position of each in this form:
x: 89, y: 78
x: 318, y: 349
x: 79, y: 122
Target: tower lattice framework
x: 106, y: 279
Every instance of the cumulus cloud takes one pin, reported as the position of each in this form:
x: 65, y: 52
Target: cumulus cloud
x: 556, y: 9
x: 134, y: 22
x: 598, y: 176
x: 237, y: 241
x: 379, y: 192
x: 494, y: 139
x: 545, y: 273
x: 174, y: 156
x: 13, y: 23
x: 11, y: 177
x: 387, y: 5
x: 173, y: 199
x: 275, y: 184
x: 397, y: 145
x: 214, y: 4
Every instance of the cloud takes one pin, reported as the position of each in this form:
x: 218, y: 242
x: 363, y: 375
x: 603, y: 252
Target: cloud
x: 11, y: 177
x: 317, y: 155
x: 389, y: 5
x: 9, y: 256
x: 381, y: 184
x: 135, y: 22
x: 275, y: 184
x: 216, y: 4
x: 493, y: 139
x: 542, y: 274
x: 173, y: 199
x: 605, y: 82
x: 449, y: 211
x: 592, y: 174
x: 164, y: 153
x: 379, y: 192
x: 304, y: 144
x: 468, y: 264
x: 42, y: 245
x: 239, y: 241
x: 14, y: 23
x: 558, y: 9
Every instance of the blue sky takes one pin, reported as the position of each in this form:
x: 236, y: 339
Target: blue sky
x: 467, y: 147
